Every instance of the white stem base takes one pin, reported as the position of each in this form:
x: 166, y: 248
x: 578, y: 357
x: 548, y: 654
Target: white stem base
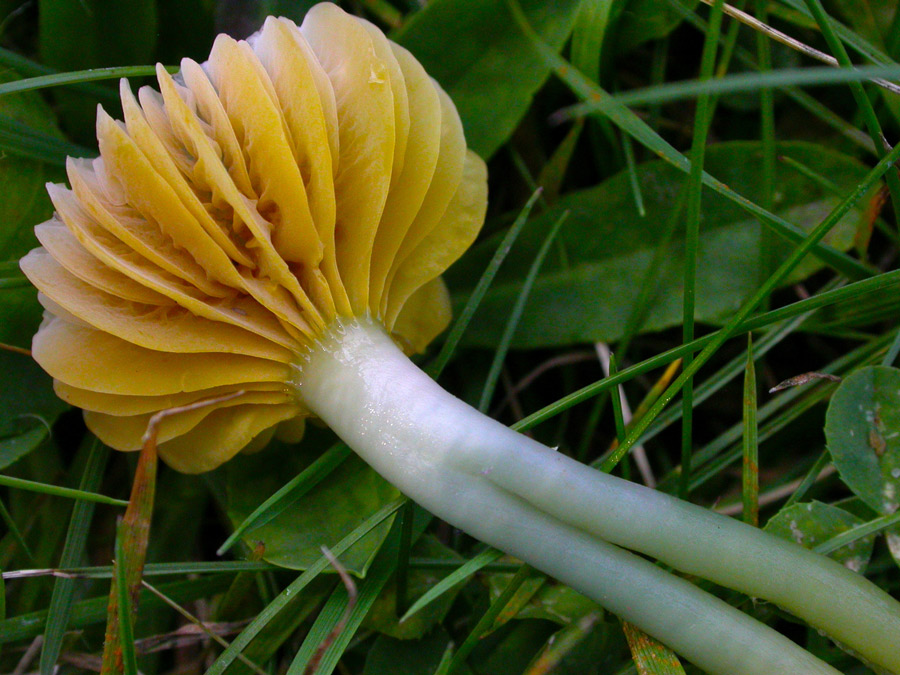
x: 558, y: 515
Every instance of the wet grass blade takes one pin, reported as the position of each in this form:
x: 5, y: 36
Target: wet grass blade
x: 124, y: 605
x: 14, y: 530
x: 487, y: 620
x: 716, y: 340
x: 133, y: 537
x: 227, y: 657
x: 58, y: 491
x: 64, y: 588
x: 287, y: 495
x: 459, y: 575
x: 702, y: 121
x: 79, y: 77
x: 28, y: 68
x: 629, y: 122
x: 750, y: 468
x: 858, y: 532
x: 92, y: 611
x: 440, y: 362
x: 516, y: 314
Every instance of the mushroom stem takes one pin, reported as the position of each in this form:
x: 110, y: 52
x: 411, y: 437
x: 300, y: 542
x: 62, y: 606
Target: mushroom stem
x: 568, y: 519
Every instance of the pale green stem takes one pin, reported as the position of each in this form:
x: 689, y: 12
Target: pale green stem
x: 558, y: 515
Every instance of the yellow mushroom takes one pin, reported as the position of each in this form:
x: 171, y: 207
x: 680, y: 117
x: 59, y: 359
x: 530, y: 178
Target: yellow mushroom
x: 307, y: 175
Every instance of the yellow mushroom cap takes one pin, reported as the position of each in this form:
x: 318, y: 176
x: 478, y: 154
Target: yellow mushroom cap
x: 304, y: 176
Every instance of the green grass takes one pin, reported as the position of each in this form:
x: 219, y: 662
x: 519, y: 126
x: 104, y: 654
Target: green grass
x: 595, y: 93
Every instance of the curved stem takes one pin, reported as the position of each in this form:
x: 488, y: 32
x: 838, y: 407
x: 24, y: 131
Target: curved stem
x: 558, y: 515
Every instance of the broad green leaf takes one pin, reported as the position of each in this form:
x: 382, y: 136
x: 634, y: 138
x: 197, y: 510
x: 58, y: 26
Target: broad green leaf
x: 25, y: 202
x: 323, y: 630
x: 862, y: 430
x: 455, y: 578
x: 609, y: 248
x: 390, y: 656
x: 24, y: 388
x: 551, y: 601
x: 383, y: 615
x: 475, y: 51
x: 16, y: 447
x: 812, y: 523
x: 514, y: 646
x: 26, y: 393
x: 94, y: 33
x: 870, y: 19
x: 645, y: 20
x: 324, y: 515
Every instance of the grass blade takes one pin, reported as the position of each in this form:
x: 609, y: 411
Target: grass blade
x: 858, y: 532
x: 92, y: 611
x: 406, y: 530
x: 717, y: 339
x: 76, y: 538
x: 58, y: 491
x: 227, y: 657
x: 618, y: 414
x: 554, y: 171
x: 736, y: 83
x: 859, y: 94
x: 892, y: 353
x: 763, y: 291
x: 860, y: 288
x: 14, y: 530
x: 750, y: 470
x: 287, y: 495
x: 562, y: 643
x: 516, y: 314
x: 702, y: 121
x: 808, y: 479
x: 629, y: 122
x: 462, y: 573
x: 28, y: 68
x: 200, y: 625
x: 78, y: 77
x: 125, y: 607
x: 633, y: 182
x: 132, y: 539
x: 19, y: 139
x: 487, y: 619
x: 435, y: 368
